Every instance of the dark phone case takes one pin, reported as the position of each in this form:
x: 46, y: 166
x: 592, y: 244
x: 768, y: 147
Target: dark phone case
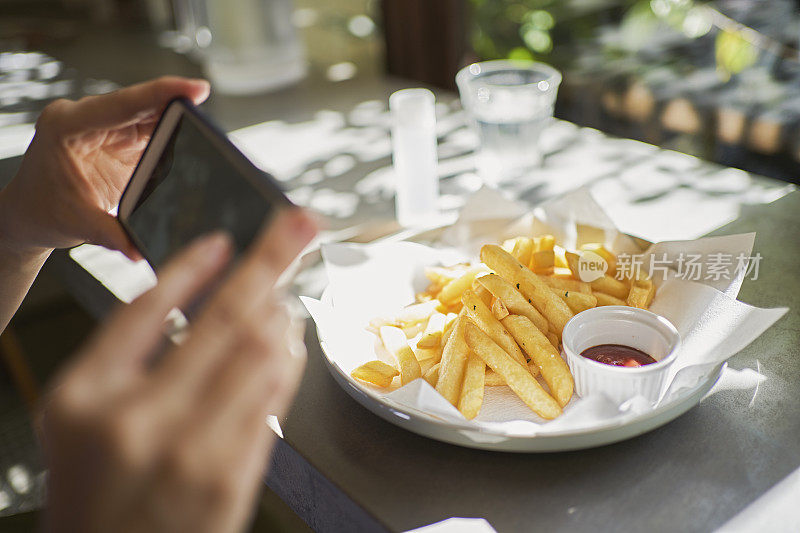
x: 265, y: 178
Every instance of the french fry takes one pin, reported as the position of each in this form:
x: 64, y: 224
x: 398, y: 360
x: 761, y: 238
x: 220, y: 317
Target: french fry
x: 508, y: 244
x: 641, y: 294
x: 578, y: 301
x: 493, y: 379
x: 568, y: 285
x: 471, y: 399
x: 560, y: 259
x: 542, y: 262
x: 515, y: 302
x: 453, y: 364
x: 434, y: 352
x: 612, y: 287
x: 432, y: 337
x: 410, y: 319
x: 482, y: 292
x: 450, y: 319
x: 412, y: 330
x: 518, y: 379
x: 375, y: 372
x: 522, y: 250
x: 452, y: 292
x: 396, y: 343
x: 440, y: 275
x: 414, y: 314
x: 376, y: 323
x: 547, y: 242
x: 531, y: 286
x: 482, y: 316
x: 427, y: 364
x: 605, y: 299
x: 473, y: 328
x: 602, y: 284
x: 554, y: 369
x: 499, y: 309
x: 562, y: 272
x: 432, y: 375
x: 427, y: 295
x: 427, y: 354
x: 448, y: 330
x: 553, y: 338
x: 602, y: 251
x: 636, y: 274
x: 448, y: 309
x: 573, y: 260
x: 448, y: 327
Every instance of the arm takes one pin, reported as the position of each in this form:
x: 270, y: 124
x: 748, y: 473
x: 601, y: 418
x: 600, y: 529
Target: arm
x: 73, y: 173
x: 18, y: 268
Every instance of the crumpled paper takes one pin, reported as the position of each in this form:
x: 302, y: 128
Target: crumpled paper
x: 371, y: 280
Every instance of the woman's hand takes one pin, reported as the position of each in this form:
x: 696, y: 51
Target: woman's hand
x: 180, y: 444
x: 78, y: 164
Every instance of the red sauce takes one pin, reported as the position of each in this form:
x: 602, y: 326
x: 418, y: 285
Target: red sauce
x: 618, y: 355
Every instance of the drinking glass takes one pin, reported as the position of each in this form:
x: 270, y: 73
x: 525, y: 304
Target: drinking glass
x: 509, y: 104
x: 253, y: 46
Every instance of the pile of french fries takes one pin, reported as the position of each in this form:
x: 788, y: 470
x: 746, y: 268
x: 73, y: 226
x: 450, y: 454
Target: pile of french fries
x: 499, y: 323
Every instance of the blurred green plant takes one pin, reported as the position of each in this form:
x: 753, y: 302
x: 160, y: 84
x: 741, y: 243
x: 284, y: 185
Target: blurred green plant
x: 733, y: 53
x: 513, y: 29
x: 525, y: 29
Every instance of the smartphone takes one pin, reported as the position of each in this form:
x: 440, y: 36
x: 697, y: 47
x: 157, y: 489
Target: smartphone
x: 190, y: 181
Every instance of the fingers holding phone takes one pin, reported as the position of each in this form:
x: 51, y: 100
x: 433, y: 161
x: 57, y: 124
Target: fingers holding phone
x: 79, y: 162
x: 126, y: 440
x: 248, y: 292
x: 192, y: 180
x: 150, y: 439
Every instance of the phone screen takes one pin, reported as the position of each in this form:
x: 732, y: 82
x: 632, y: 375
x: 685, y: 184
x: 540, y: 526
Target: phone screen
x: 195, y: 189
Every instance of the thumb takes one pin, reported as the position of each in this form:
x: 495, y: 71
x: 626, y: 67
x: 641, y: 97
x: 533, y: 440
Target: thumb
x: 131, y: 105
x: 107, y: 231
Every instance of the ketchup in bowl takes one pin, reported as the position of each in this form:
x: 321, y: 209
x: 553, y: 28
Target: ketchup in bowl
x: 618, y: 355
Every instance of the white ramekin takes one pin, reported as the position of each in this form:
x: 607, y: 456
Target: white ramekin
x: 628, y: 326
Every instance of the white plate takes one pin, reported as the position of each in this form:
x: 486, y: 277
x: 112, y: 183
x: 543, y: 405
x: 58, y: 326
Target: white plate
x: 466, y: 434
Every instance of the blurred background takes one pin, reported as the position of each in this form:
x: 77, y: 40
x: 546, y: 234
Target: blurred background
x: 715, y: 79
x: 718, y: 80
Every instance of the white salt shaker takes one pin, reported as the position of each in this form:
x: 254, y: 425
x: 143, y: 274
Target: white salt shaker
x: 414, y: 156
